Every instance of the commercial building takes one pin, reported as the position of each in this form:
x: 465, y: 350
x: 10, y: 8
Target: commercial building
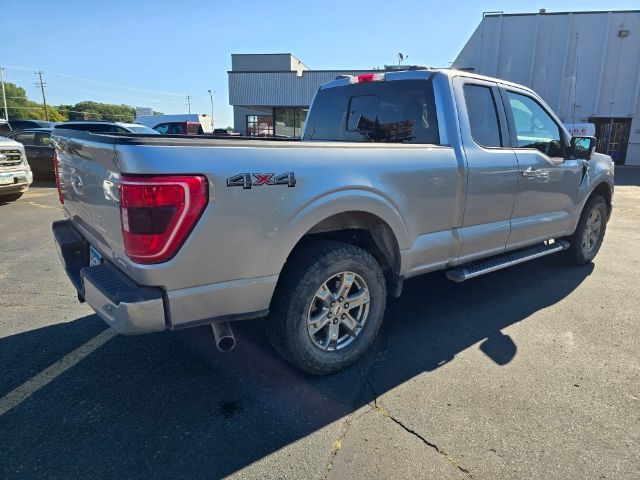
x: 271, y: 93
x: 586, y: 65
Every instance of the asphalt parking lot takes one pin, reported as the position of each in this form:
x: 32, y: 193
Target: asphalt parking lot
x: 530, y: 372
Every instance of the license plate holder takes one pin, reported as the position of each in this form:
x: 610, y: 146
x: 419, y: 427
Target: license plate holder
x: 95, y: 257
x: 6, y: 178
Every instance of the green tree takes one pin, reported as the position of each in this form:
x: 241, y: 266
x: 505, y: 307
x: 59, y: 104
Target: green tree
x: 101, y: 111
x: 20, y: 107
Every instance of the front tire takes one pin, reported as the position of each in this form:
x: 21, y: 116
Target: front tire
x: 328, y: 307
x: 587, y: 238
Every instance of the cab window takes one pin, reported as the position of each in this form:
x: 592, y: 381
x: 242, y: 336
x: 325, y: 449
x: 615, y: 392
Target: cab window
x: 390, y: 111
x: 483, y: 115
x: 534, y: 126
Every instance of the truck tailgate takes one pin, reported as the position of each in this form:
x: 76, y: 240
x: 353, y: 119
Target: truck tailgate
x: 89, y: 175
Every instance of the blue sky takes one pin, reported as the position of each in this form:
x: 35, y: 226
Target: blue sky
x: 154, y: 53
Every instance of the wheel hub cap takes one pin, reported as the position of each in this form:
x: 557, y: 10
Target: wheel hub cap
x: 592, y: 231
x: 338, y: 311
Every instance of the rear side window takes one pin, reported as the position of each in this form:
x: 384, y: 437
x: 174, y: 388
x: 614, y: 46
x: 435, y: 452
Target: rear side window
x: 170, y: 128
x: 43, y: 139
x: 22, y: 124
x: 27, y: 138
x: 193, y: 128
x: 176, y: 128
x: 396, y: 111
x: 483, y: 116
x: 96, y: 128
x: 86, y: 127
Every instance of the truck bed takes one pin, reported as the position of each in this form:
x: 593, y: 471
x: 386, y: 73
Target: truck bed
x: 218, y: 141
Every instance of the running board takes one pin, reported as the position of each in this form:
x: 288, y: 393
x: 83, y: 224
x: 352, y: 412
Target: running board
x: 475, y: 270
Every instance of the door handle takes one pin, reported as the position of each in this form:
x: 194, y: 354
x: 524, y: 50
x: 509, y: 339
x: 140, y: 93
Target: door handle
x: 531, y: 172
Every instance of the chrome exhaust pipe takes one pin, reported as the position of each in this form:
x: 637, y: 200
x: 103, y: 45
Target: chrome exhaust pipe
x: 223, y: 335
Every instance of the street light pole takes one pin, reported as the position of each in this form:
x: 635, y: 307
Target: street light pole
x: 4, y: 95
x: 189, y: 102
x: 211, y: 98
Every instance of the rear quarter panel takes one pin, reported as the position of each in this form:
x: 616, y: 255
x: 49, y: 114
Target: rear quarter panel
x: 248, y: 233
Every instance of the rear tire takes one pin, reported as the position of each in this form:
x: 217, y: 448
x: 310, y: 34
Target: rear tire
x: 587, y: 238
x: 312, y: 324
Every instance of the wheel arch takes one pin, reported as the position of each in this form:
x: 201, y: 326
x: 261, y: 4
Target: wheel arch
x: 605, y: 190
x: 602, y: 187
x: 363, y: 229
x: 367, y: 221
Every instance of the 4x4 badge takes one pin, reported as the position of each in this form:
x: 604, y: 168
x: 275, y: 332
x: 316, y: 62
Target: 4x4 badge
x: 244, y: 180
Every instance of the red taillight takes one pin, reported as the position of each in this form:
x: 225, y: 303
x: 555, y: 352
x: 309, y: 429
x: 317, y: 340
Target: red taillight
x: 158, y: 213
x: 368, y: 77
x: 56, y: 171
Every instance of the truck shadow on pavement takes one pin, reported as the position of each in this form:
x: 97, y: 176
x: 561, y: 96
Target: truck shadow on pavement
x: 170, y: 405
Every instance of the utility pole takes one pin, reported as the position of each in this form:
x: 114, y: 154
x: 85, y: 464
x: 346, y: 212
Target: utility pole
x: 189, y: 102
x: 41, y: 84
x: 211, y: 97
x: 4, y: 95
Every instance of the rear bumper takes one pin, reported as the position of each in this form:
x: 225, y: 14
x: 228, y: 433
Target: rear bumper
x: 131, y: 308
x: 127, y: 307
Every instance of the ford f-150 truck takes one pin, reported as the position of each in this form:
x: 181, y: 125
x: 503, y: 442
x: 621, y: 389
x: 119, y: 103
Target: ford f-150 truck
x: 15, y: 172
x: 397, y: 174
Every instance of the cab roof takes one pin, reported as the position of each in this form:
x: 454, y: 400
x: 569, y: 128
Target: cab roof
x: 414, y: 74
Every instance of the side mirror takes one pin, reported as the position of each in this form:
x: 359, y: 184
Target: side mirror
x: 583, y: 147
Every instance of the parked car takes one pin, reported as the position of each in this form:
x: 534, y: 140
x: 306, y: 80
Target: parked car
x: 225, y: 132
x: 106, y: 127
x: 24, y: 124
x: 5, y: 127
x: 39, y: 149
x: 178, y: 124
x: 397, y: 174
x: 15, y: 173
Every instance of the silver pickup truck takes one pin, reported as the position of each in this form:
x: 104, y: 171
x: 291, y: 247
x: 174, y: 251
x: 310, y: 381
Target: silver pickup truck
x: 397, y: 174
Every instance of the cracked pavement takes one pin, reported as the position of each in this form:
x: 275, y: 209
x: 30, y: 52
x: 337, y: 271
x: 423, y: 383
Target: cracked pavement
x: 530, y: 372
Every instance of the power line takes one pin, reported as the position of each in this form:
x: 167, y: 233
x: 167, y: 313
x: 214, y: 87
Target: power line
x: 113, y: 95
x: 41, y: 84
x: 140, y: 97
x: 98, y: 82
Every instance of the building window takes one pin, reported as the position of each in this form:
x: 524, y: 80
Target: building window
x: 259, y: 125
x: 289, y: 121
